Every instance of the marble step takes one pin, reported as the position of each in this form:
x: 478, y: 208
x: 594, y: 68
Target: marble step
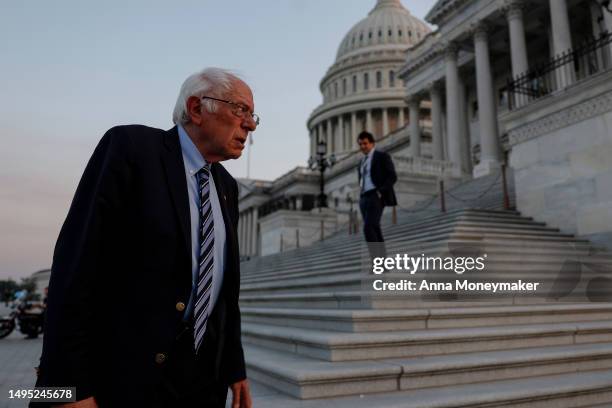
x: 573, y: 390
x: 507, y: 250
x: 400, y: 228
x: 546, y: 275
x: 360, y: 299
x: 306, y: 378
x: 335, y: 346
x: 494, y: 262
x: 420, y: 238
x: 434, y: 318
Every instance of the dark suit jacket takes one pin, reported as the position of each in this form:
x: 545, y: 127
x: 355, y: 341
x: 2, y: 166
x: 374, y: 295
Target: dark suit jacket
x: 122, y: 263
x: 383, y: 176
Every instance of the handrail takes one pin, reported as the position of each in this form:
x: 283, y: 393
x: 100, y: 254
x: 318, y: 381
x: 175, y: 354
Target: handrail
x: 591, y: 57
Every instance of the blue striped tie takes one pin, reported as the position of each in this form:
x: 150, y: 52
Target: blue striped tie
x: 206, y: 260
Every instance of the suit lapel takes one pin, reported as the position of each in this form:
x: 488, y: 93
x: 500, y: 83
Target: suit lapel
x: 177, y: 183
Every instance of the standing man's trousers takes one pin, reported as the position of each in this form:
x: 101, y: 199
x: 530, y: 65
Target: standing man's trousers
x: 371, y: 207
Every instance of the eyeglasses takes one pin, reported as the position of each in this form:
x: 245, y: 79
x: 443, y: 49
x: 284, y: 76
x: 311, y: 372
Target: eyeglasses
x: 238, y: 109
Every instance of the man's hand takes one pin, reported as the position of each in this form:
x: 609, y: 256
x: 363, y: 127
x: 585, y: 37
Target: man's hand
x: 241, y: 395
x: 86, y: 403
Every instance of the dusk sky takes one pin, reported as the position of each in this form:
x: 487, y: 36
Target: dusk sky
x: 70, y: 70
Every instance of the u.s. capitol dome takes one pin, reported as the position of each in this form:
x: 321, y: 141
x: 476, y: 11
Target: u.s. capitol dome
x: 361, y: 90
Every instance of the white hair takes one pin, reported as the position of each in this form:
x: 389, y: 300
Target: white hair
x: 215, y: 82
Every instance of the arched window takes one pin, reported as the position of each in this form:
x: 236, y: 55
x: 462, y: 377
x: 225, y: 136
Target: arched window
x: 378, y: 79
x: 343, y: 86
x: 370, y: 35
x: 354, y: 83
x: 391, y: 79
x: 399, y: 32
x: 366, y: 81
x: 390, y: 32
x: 335, y: 89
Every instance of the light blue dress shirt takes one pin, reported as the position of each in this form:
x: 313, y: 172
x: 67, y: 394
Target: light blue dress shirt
x: 366, y: 178
x: 193, y: 160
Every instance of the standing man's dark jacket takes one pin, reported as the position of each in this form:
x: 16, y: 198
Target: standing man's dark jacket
x: 383, y: 176
x: 122, y: 272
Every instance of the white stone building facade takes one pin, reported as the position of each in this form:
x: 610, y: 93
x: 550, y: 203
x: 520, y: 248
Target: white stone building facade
x: 527, y: 82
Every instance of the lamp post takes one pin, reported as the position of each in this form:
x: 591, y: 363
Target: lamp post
x: 321, y: 162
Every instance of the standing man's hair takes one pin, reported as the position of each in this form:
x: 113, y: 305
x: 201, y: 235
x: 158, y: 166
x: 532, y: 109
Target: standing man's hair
x: 215, y: 82
x: 366, y: 135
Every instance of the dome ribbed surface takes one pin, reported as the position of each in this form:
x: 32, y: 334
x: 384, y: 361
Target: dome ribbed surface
x: 389, y: 23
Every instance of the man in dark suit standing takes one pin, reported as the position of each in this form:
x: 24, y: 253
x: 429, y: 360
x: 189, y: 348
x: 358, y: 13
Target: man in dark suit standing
x: 143, y: 299
x: 376, y: 178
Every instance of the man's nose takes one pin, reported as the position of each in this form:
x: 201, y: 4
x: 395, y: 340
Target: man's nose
x: 249, y: 123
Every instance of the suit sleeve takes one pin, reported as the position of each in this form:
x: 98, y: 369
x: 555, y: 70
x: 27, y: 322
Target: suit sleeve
x: 390, y: 176
x: 235, y: 352
x: 68, y: 355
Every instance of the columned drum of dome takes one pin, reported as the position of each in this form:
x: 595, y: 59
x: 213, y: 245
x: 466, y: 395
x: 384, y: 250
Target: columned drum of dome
x: 361, y: 90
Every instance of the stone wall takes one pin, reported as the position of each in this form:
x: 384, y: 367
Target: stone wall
x: 564, y: 176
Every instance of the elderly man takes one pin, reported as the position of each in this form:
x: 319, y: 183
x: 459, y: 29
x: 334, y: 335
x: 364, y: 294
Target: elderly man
x: 143, y: 300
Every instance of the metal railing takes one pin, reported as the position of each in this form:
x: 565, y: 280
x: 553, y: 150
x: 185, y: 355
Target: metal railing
x: 591, y: 57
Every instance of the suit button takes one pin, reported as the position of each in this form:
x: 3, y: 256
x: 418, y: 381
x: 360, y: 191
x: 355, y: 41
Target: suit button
x: 160, y: 358
x: 180, y: 306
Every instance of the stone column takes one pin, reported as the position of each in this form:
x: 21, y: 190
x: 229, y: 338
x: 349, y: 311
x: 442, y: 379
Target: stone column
x: 401, y: 118
x: 452, y: 106
x: 562, y: 36
x: 369, y: 120
x: 436, y: 121
x: 385, y: 121
x: 313, y: 141
x: 607, y: 52
x: 607, y: 20
x: 487, y: 113
x: 466, y: 159
x: 240, y: 228
x: 354, y: 130
x: 247, y: 228
x: 342, y: 146
x: 254, y: 236
x: 414, y: 104
x: 562, y: 39
x: 243, y: 220
x: 329, y: 136
x: 518, y: 45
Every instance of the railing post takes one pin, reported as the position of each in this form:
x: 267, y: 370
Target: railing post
x: 394, y: 216
x: 322, y: 230
x: 505, y: 187
x: 297, y: 238
x: 442, y: 200
x: 281, y: 242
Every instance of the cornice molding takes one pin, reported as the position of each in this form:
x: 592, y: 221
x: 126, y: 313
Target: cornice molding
x: 560, y: 119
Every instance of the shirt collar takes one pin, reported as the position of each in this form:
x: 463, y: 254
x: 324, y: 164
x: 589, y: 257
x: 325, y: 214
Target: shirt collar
x: 194, y: 160
x: 371, y: 153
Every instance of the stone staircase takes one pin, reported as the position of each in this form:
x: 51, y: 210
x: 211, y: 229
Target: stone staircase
x: 317, y: 335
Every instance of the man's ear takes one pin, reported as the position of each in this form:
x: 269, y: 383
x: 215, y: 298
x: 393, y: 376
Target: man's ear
x: 194, y: 110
